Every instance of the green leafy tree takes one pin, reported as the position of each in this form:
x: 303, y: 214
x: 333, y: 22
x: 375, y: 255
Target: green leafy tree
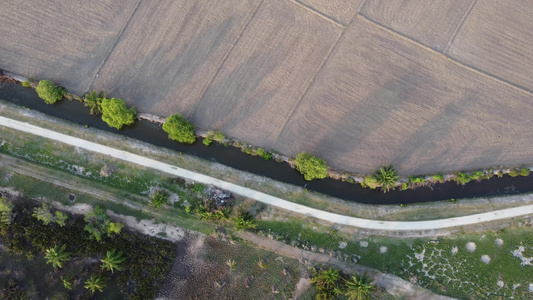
x: 49, y: 92
x: 44, y: 214
x: 116, y: 114
x: 57, y: 256
x: 387, y: 177
x: 6, y: 211
x: 326, y: 283
x: 310, y: 166
x: 112, y: 260
x: 61, y: 218
x: 244, y: 221
x: 94, y: 102
x: 159, y: 198
x: 179, y: 129
x: 95, y: 283
x: 114, y: 228
x: 98, y: 224
x: 359, y: 287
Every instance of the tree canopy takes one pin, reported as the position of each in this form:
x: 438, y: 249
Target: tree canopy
x: 310, y: 166
x: 179, y: 129
x: 116, y: 114
x: 49, y: 92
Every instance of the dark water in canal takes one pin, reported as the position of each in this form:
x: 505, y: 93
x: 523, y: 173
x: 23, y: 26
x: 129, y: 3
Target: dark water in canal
x: 152, y: 133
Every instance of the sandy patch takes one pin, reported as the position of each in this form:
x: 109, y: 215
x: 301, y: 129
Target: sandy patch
x: 148, y: 227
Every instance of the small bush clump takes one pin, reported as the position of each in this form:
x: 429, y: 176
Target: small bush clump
x: 179, y: 129
x: 310, y: 166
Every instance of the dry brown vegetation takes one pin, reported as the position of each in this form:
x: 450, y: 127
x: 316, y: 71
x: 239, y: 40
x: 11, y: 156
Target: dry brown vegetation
x: 429, y: 87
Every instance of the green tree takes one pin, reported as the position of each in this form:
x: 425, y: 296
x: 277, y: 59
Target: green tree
x: 95, y: 283
x: 179, y: 129
x: 112, y: 260
x: 98, y: 224
x: 116, y: 114
x: 43, y: 214
x: 359, y: 287
x: 386, y: 177
x: 61, y: 218
x: 326, y: 283
x: 94, y: 102
x: 6, y: 209
x: 57, y: 256
x: 158, y: 198
x: 49, y: 92
x: 310, y: 166
x: 114, y: 228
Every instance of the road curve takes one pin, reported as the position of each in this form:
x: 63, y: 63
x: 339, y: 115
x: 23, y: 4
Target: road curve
x: 265, y: 198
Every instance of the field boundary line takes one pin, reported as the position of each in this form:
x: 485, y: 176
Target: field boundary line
x: 459, y: 28
x: 310, y: 83
x: 319, y: 13
x: 119, y: 35
x: 245, y: 27
x: 262, y: 197
x: 449, y: 58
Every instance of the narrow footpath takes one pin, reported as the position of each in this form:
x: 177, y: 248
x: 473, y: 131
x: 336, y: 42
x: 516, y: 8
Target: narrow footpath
x: 265, y: 198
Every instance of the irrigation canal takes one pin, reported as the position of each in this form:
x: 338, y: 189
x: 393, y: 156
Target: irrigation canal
x: 149, y: 132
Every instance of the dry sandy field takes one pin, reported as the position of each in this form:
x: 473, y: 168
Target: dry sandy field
x: 429, y: 86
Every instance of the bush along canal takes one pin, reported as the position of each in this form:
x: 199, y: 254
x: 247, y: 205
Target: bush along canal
x: 152, y: 133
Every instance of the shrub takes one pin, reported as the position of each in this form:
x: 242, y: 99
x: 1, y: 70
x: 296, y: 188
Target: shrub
x: 310, y: 166
x: 26, y: 83
x: 264, y: 154
x: 359, y: 287
x: 49, y: 92
x: 6, y: 208
x: 386, y: 177
x: 514, y: 172
x: 116, y: 114
x: 207, y: 141
x: 524, y: 172
x: 244, y: 221
x: 247, y: 149
x: 159, y: 198
x: 438, y: 177
x: 179, y: 129
x: 327, y: 283
x: 219, y: 136
x: 416, y: 179
x: 370, y: 182
x: 462, y: 178
x: 98, y: 224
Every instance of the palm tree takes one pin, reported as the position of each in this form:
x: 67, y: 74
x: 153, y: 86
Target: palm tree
x: 95, y: 283
x: 94, y: 102
x: 359, y: 287
x: 56, y: 256
x: 67, y: 281
x: 387, y: 177
x: 112, y: 261
x: 326, y: 282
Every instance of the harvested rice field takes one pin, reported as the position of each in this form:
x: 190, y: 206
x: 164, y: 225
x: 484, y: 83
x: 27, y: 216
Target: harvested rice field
x: 430, y: 87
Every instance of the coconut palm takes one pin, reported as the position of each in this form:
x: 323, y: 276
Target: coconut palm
x: 326, y: 282
x: 56, y: 256
x: 94, y: 102
x: 387, y: 177
x: 359, y: 287
x: 112, y: 260
x: 95, y: 283
x: 67, y: 281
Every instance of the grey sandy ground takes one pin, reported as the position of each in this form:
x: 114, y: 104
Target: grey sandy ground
x: 262, y: 197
